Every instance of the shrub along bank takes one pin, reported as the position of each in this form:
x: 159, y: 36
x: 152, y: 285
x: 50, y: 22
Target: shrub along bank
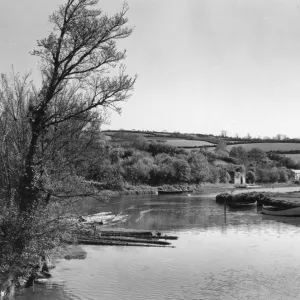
x: 131, y: 161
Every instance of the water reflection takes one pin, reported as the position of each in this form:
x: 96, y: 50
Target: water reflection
x: 182, y: 213
x: 220, y: 254
x: 51, y: 291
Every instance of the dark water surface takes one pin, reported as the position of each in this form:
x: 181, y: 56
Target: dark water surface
x: 238, y: 255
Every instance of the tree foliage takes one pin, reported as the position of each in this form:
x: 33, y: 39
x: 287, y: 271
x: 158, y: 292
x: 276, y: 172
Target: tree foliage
x: 221, y: 149
x: 239, y: 153
x: 256, y: 155
x: 50, y: 134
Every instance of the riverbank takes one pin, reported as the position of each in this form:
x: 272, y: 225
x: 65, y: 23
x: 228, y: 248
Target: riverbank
x: 76, y: 252
x: 150, y: 190
x: 206, y: 188
x: 252, y: 239
x: 283, y: 198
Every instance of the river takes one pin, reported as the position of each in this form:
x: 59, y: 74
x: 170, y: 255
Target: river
x: 237, y: 254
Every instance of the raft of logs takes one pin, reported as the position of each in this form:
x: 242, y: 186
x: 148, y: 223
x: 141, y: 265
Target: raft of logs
x: 93, y: 234
x: 280, y: 200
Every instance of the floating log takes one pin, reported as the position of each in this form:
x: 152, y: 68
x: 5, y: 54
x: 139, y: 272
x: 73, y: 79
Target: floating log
x: 117, y: 243
x: 138, y: 234
x: 122, y: 232
x: 166, y: 237
x: 123, y: 239
x: 96, y: 235
x: 126, y: 232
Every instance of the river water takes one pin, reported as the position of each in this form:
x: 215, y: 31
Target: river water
x: 232, y: 254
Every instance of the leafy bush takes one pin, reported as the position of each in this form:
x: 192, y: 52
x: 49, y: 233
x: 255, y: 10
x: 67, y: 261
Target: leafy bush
x: 199, y: 167
x: 156, y: 148
x: 182, y: 170
x: 250, y: 177
x: 239, y: 153
x: 283, y: 176
x: 274, y: 175
x: 221, y: 149
x: 256, y: 155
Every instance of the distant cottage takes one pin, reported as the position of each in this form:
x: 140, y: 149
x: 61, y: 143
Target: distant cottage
x: 237, y: 176
x: 296, y: 174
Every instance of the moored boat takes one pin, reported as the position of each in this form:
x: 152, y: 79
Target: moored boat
x: 276, y: 211
x: 241, y: 186
x: 246, y: 186
x: 241, y: 204
x: 174, y: 192
x: 41, y: 280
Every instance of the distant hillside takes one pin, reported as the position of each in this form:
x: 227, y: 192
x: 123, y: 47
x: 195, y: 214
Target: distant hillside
x: 131, y: 158
x: 193, y: 141
x: 174, y: 139
x: 267, y: 146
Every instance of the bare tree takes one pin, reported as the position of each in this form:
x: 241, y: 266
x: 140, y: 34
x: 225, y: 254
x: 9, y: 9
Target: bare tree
x: 223, y: 133
x: 76, y: 61
x: 82, y: 76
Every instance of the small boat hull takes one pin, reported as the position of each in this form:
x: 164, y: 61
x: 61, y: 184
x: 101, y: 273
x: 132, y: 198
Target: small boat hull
x: 241, y: 186
x: 41, y: 280
x: 274, y: 211
x: 173, y: 192
x: 241, y: 205
x: 246, y: 186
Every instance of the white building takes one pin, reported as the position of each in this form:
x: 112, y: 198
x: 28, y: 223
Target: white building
x: 296, y: 174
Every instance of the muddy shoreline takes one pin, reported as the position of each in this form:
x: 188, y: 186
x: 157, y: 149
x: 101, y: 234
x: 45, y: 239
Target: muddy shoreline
x: 206, y: 188
x: 75, y: 251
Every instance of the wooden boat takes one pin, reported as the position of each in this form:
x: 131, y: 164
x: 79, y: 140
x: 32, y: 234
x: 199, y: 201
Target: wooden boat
x: 241, y: 186
x: 41, y: 280
x: 174, y: 192
x: 246, y: 186
x: 241, y: 204
x: 275, y: 211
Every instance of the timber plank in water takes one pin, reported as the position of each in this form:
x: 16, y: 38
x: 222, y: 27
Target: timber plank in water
x: 118, y: 243
x: 165, y: 237
x: 136, y: 233
x: 123, y: 239
x: 125, y: 232
x: 97, y: 235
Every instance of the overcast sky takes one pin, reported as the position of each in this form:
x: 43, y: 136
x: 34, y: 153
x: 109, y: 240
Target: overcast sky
x: 203, y: 65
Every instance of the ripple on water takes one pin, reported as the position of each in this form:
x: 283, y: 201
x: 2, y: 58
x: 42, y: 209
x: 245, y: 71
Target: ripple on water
x: 242, y: 255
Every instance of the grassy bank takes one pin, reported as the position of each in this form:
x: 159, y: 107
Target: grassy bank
x: 72, y: 252
x: 146, y: 189
x: 138, y: 190
x: 207, y: 188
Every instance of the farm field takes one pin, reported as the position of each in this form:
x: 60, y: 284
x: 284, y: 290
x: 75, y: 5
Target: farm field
x: 220, y: 162
x: 185, y: 143
x: 269, y: 146
x: 112, y: 133
x: 174, y: 141
x: 162, y: 138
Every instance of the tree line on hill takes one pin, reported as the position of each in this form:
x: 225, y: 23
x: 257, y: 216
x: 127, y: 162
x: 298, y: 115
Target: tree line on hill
x: 214, y: 139
x: 130, y: 159
x: 264, y: 167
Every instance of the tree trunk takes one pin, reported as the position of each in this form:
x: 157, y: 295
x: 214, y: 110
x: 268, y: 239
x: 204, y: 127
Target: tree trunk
x: 7, y: 286
x: 27, y: 195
